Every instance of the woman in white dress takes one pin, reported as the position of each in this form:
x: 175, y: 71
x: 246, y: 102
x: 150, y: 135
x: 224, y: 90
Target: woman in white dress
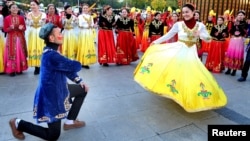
x: 86, y: 52
x: 69, y: 22
x: 174, y: 70
x: 35, y: 19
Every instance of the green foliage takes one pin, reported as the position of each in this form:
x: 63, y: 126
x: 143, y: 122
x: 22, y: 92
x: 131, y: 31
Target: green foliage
x: 141, y: 4
x: 158, y: 4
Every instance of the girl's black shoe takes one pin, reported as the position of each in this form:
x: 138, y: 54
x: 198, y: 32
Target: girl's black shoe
x: 228, y: 71
x: 12, y: 74
x: 233, y: 73
x: 105, y: 64
x: 85, y: 66
x: 37, y: 70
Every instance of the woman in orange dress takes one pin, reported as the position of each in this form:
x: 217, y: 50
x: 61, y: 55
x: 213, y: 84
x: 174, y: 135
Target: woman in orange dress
x: 145, y: 36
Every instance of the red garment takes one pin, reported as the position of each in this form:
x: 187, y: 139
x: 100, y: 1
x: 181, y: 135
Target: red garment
x: 126, y: 51
x: 216, y: 56
x: 13, y: 33
x: 205, y: 46
x: 15, y: 52
x: 55, y: 19
x: 190, y: 23
x: 154, y: 37
x: 106, y: 47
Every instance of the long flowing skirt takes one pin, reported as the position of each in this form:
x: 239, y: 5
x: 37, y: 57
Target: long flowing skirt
x: 137, y: 37
x: 216, y: 56
x: 145, y: 41
x: 126, y: 48
x: 235, y: 54
x: 106, y: 47
x: 35, y: 47
x: 227, y: 43
x: 86, y: 51
x: 69, y: 46
x: 17, y: 63
x: 205, y: 46
x: 1, y: 52
x: 174, y: 71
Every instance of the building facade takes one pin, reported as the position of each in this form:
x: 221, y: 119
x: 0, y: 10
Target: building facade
x: 219, y: 6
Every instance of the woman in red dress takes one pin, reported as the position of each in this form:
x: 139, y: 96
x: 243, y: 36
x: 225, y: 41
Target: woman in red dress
x: 106, y: 42
x: 156, y: 28
x: 126, y: 44
x: 53, y: 16
x: 15, y: 52
x: 216, y: 53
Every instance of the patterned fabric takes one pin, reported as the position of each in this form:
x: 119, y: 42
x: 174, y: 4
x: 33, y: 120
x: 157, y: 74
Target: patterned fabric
x: 174, y: 71
x: 52, y: 95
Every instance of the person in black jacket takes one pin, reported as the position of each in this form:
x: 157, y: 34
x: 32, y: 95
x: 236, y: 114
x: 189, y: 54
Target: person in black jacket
x: 245, y: 69
x: 5, y: 10
x: 156, y: 27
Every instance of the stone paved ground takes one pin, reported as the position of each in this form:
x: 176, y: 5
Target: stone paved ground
x: 118, y: 109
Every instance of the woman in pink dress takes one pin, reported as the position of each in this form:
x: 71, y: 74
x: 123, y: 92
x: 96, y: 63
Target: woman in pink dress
x: 15, y: 52
x: 235, y: 53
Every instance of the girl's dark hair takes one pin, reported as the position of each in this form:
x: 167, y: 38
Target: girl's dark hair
x: 157, y: 13
x: 124, y: 8
x: 197, y: 11
x: 50, y: 5
x: 175, y: 13
x: 241, y: 11
x: 11, y: 5
x: 66, y: 7
x: 105, y: 9
x: 189, y: 6
x: 85, y: 4
x: 221, y: 18
x: 35, y: 1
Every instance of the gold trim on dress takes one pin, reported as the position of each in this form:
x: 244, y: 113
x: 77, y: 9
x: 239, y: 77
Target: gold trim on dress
x: 188, y: 43
x: 36, y: 20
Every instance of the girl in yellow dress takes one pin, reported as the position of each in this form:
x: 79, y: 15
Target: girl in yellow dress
x: 174, y: 70
x: 86, y: 52
x: 35, y: 19
x: 69, y: 22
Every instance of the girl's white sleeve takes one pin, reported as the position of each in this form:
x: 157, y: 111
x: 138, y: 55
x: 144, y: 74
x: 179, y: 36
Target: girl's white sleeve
x: 204, y: 35
x: 169, y: 35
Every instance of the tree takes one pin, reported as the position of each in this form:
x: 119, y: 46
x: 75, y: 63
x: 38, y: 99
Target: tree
x: 141, y: 4
x: 158, y: 4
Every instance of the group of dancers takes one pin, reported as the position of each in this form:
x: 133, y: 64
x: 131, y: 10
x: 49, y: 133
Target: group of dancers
x: 22, y: 47
x: 171, y: 65
x: 176, y: 70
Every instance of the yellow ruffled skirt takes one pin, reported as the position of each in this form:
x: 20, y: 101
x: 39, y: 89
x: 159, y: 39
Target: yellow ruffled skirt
x: 174, y: 71
x: 69, y: 46
x: 86, y: 51
x: 35, y: 47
